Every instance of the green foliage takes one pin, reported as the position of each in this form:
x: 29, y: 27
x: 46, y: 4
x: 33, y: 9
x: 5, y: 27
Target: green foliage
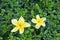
x: 10, y: 9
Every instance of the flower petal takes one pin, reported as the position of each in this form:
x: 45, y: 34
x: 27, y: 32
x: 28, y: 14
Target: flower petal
x: 37, y: 17
x: 21, y: 19
x: 37, y: 26
x: 21, y: 30
x: 44, y: 19
x: 15, y: 29
x: 14, y: 21
x: 34, y: 20
x: 43, y: 25
x: 27, y: 24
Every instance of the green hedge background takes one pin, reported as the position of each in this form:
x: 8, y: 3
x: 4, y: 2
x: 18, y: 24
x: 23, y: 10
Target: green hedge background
x: 10, y: 9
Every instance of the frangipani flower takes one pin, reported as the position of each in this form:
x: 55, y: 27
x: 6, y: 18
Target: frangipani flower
x: 39, y: 21
x: 20, y: 25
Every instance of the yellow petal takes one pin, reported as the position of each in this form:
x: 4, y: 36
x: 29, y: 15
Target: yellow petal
x: 14, y: 21
x: 21, y: 19
x: 43, y: 25
x: 43, y: 18
x: 37, y: 26
x: 21, y: 30
x: 34, y: 20
x: 37, y: 17
x: 27, y: 24
x: 15, y: 29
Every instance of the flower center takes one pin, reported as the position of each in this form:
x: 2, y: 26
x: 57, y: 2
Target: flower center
x: 20, y: 24
x: 39, y: 21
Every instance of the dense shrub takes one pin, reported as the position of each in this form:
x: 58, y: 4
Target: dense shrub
x: 10, y: 9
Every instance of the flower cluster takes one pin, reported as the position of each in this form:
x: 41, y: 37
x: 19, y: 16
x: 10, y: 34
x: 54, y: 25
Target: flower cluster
x: 21, y: 23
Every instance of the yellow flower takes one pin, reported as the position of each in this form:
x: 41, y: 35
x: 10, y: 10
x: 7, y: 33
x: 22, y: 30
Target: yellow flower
x: 39, y: 21
x: 20, y: 25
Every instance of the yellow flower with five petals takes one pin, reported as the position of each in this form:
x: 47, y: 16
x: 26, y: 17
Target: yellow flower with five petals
x: 20, y: 25
x: 39, y: 21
